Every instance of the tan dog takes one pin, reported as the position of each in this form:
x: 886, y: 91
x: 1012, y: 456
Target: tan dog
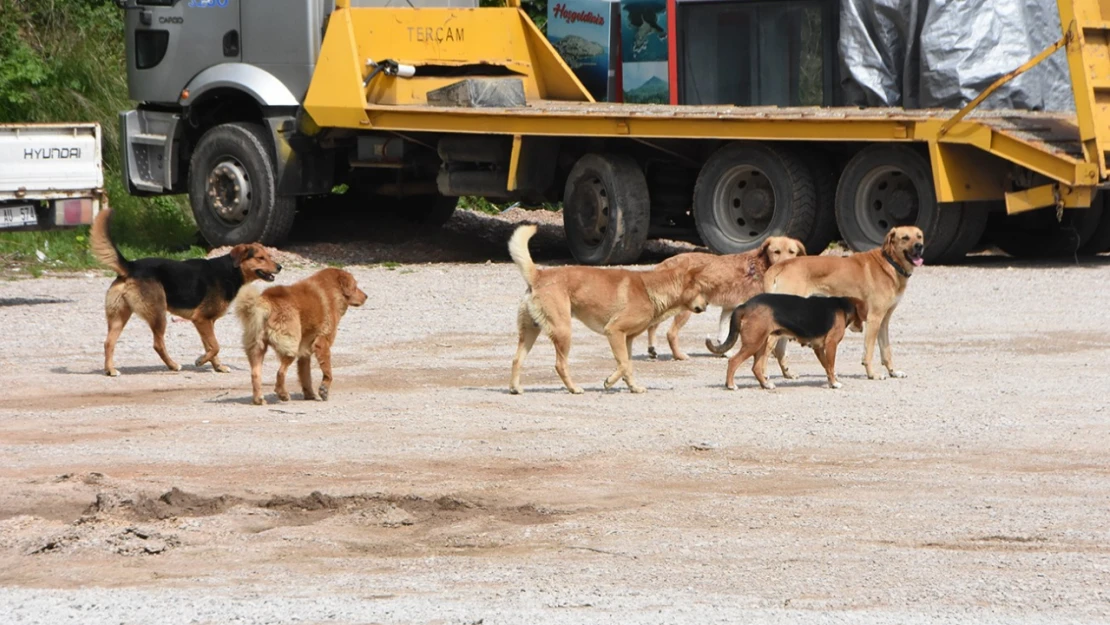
x: 618, y: 303
x: 730, y: 280
x: 878, y: 278
x: 197, y: 289
x: 298, y: 321
x: 818, y: 322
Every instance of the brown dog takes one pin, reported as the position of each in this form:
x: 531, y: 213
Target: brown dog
x: 819, y: 322
x: 198, y: 290
x: 298, y: 321
x: 730, y: 280
x: 618, y: 303
x: 878, y: 278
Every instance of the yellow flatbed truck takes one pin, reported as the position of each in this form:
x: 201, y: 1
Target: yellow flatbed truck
x: 413, y: 107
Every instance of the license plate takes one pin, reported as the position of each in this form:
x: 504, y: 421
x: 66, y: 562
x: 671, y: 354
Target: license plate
x: 18, y: 216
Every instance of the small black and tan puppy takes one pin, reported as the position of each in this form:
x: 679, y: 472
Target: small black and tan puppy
x: 199, y: 290
x: 819, y: 322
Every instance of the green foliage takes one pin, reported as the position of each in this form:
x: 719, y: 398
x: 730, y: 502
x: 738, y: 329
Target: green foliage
x: 64, y: 61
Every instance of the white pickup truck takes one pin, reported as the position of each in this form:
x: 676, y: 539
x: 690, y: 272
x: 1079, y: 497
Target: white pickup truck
x: 50, y: 175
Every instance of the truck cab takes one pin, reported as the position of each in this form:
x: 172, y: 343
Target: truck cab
x: 220, y: 85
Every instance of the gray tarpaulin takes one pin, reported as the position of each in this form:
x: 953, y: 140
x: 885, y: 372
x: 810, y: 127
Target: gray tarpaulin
x: 943, y: 53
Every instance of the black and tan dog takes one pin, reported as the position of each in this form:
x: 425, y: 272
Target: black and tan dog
x: 198, y: 290
x: 819, y: 322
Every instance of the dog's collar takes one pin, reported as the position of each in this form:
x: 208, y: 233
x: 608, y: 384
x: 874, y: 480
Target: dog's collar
x: 899, y: 268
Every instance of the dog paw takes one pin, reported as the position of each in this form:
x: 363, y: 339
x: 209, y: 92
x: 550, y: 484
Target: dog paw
x: 897, y: 374
x: 731, y: 387
x: 199, y: 361
x: 652, y: 353
x: 578, y: 390
x: 637, y: 389
x: 873, y: 376
x: 174, y: 367
x: 681, y: 356
x: 221, y: 368
x: 516, y: 390
x: 309, y: 395
x: 770, y: 386
x: 112, y: 373
x: 258, y: 401
x: 789, y: 375
x: 323, y: 393
x: 282, y: 395
x: 835, y: 385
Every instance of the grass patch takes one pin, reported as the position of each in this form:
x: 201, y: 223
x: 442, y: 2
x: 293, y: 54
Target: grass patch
x: 63, y: 61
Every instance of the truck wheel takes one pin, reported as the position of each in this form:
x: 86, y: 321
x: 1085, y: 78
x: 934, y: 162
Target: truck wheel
x: 884, y: 186
x: 233, y: 188
x: 606, y: 210
x: 430, y: 211
x: 972, y: 225
x: 824, y: 221
x: 1100, y: 238
x: 1037, y: 234
x: 747, y: 192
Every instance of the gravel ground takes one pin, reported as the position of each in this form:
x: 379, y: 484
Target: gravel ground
x: 974, y: 491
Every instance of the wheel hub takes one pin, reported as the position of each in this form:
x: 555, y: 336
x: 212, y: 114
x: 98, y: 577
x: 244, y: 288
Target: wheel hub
x: 229, y: 191
x: 886, y: 198
x: 593, y: 213
x: 745, y: 203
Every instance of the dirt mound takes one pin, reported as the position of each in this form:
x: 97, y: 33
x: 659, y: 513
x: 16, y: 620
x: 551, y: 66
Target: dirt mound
x: 174, y: 503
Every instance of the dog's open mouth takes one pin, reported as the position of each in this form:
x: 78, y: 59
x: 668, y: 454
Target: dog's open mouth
x: 264, y: 275
x: 915, y: 257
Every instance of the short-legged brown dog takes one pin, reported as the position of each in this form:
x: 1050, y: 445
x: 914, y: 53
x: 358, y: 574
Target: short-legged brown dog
x: 298, y: 321
x: 878, y: 278
x: 197, y: 289
x: 730, y: 280
x: 815, y: 321
x: 618, y: 303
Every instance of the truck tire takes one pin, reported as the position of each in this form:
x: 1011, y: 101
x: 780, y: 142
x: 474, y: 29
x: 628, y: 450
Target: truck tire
x: 824, y: 221
x: 606, y: 210
x: 233, y: 188
x: 1100, y: 238
x: 973, y: 223
x: 749, y: 191
x: 1037, y: 234
x: 884, y: 186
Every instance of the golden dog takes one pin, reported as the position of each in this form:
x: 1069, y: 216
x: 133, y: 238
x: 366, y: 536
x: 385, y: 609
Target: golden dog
x: 878, y: 278
x: 298, y: 321
x: 730, y: 280
x: 618, y: 303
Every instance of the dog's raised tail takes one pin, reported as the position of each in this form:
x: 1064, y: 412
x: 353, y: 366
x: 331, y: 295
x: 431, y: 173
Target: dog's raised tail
x: 105, y: 251
x: 518, y: 250
x: 733, y: 333
x: 253, y: 311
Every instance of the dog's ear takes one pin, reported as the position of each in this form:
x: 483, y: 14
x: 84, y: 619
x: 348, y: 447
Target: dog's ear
x: 800, y: 247
x: 347, y: 285
x: 241, y: 252
x: 763, y: 248
x: 889, y: 240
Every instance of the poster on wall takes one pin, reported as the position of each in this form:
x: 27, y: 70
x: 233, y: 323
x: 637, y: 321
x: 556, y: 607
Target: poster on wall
x: 586, y: 34
x: 644, y: 51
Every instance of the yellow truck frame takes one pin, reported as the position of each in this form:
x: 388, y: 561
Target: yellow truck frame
x: 1027, y: 160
